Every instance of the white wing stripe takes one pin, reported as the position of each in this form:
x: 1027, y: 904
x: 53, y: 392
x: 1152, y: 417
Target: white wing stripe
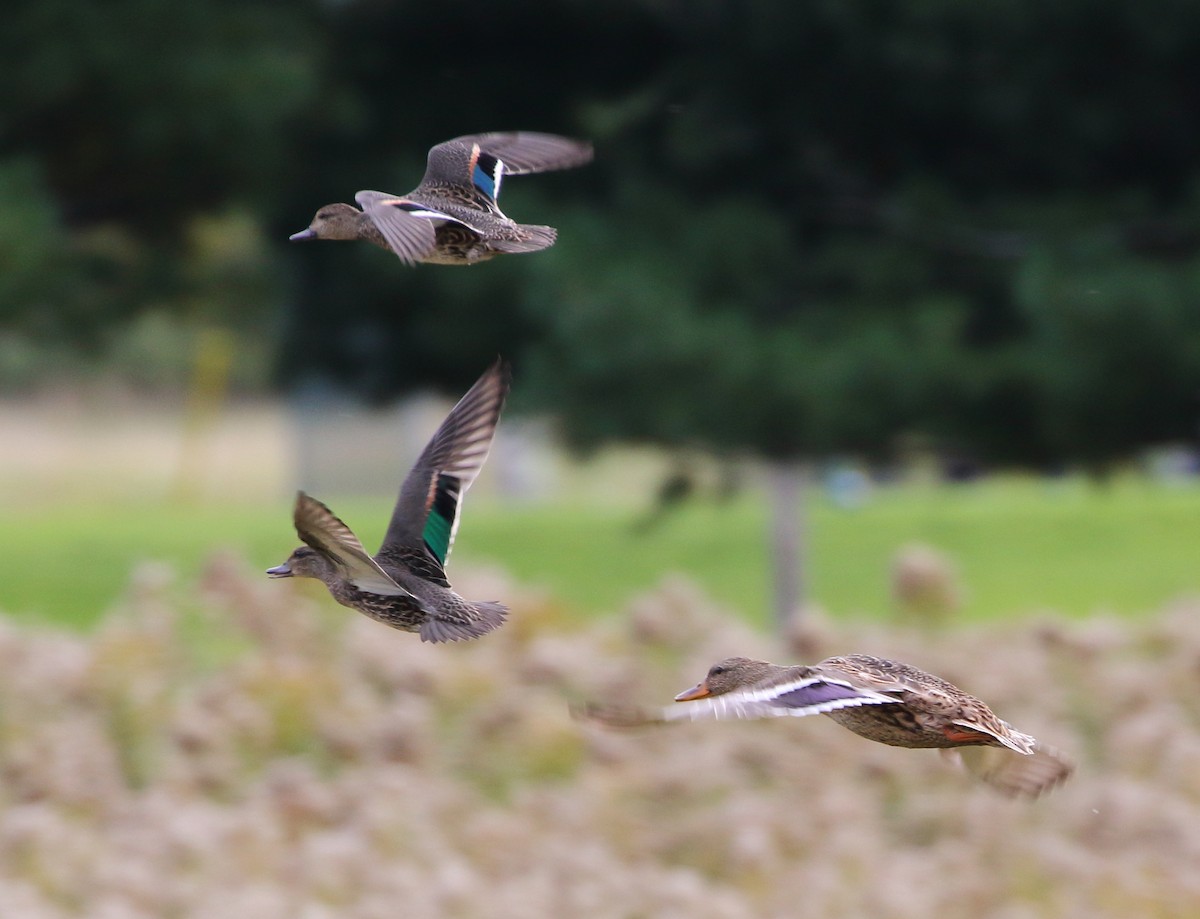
x: 770, y: 693
x: 428, y: 214
x: 736, y: 705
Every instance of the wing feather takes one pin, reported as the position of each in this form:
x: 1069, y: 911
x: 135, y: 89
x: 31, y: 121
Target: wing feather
x: 430, y: 503
x: 405, y: 226
x: 322, y: 530
x: 524, y: 152
x: 797, y: 698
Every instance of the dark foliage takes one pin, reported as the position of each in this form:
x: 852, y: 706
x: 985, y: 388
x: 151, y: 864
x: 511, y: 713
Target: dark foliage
x: 811, y: 228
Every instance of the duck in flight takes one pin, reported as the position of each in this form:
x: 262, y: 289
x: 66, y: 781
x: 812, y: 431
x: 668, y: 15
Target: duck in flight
x: 879, y: 699
x: 404, y: 584
x: 452, y: 217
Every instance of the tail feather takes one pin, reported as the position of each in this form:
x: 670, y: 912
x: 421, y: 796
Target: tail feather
x: 487, y: 616
x: 532, y: 239
x: 1005, y: 733
x: 1014, y: 773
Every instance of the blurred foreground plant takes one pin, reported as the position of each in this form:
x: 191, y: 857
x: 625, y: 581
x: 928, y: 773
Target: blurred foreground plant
x: 230, y: 748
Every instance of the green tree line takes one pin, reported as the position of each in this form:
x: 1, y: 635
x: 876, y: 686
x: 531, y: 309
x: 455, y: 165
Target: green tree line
x: 811, y: 229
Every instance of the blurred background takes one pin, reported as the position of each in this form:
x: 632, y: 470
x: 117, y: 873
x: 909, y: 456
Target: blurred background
x: 866, y: 316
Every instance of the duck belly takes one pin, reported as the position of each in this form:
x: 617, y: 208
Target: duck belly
x: 399, y: 612
x: 894, y: 725
x: 454, y: 244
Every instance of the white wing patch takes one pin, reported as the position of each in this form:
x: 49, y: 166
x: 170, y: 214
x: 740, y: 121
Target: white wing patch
x: 760, y: 703
x: 427, y: 213
x: 497, y: 178
x: 377, y: 583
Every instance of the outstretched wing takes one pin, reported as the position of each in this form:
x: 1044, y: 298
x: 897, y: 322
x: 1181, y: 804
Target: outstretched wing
x: 407, y: 227
x: 810, y: 695
x: 531, y: 151
x: 427, y: 512
x: 321, y: 529
x: 482, y: 160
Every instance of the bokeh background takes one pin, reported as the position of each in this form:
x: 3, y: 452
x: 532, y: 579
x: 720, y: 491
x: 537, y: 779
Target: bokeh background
x: 871, y: 327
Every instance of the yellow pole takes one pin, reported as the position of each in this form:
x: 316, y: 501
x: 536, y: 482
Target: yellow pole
x: 209, y: 385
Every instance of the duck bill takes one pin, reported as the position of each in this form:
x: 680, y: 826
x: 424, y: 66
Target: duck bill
x: 280, y: 571
x: 310, y: 233
x: 699, y: 691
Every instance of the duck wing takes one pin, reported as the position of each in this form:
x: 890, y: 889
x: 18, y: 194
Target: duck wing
x: 322, y: 530
x: 806, y: 692
x: 482, y: 160
x: 800, y: 692
x: 531, y: 151
x: 425, y: 519
x: 404, y: 224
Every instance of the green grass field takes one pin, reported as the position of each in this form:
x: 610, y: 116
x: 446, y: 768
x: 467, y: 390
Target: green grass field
x: 1021, y: 546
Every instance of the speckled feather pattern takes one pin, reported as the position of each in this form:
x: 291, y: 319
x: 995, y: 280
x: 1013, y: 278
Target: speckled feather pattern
x: 404, y: 584
x: 451, y: 217
x: 879, y: 699
x: 451, y: 619
x: 922, y: 708
x: 928, y: 706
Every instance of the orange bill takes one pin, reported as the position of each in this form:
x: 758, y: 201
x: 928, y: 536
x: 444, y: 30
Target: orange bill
x: 699, y: 691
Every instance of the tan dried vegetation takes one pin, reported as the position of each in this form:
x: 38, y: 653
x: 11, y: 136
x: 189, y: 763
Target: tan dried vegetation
x: 243, y: 749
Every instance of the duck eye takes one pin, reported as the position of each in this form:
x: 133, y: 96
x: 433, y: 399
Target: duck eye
x: 716, y: 671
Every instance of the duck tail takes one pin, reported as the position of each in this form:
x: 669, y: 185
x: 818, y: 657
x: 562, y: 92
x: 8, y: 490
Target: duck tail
x: 486, y: 616
x: 1014, y: 774
x: 1005, y: 734
x: 491, y: 615
x: 532, y: 239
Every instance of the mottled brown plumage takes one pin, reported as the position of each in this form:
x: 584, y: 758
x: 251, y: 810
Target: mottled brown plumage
x: 404, y: 585
x: 452, y: 217
x: 879, y: 699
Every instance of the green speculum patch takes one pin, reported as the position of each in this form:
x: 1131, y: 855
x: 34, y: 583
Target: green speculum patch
x: 439, y: 524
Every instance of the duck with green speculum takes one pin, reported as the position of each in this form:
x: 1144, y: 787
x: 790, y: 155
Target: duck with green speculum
x: 452, y: 217
x: 404, y: 585
x: 879, y: 699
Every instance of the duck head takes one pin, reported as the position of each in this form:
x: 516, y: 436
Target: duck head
x: 730, y: 674
x: 333, y: 221
x: 304, y: 562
